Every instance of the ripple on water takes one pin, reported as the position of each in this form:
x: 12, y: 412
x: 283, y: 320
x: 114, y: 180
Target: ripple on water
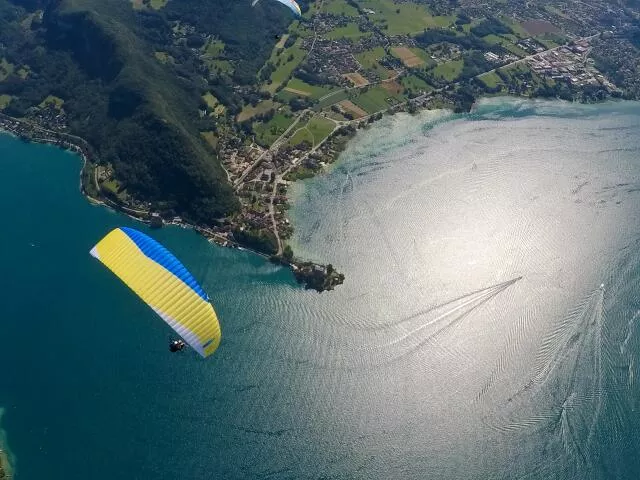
x: 429, y: 244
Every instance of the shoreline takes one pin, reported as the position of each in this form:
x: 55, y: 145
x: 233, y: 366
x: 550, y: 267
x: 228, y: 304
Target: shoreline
x: 227, y: 233
x: 6, y: 473
x: 6, y: 469
x: 312, y: 275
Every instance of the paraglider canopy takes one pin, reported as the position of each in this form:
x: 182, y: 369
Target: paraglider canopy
x: 295, y: 8
x: 163, y: 283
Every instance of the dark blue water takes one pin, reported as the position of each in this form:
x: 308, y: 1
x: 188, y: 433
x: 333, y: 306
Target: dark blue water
x: 487, y: 328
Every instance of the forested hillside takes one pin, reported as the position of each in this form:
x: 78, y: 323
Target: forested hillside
x: 142, y: 116
x: 248, y: 33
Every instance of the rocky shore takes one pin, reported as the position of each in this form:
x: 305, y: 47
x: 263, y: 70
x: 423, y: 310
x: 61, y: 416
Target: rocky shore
x: 5, y: 470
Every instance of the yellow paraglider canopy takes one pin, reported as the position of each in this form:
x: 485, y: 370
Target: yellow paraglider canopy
x: 163, y: 283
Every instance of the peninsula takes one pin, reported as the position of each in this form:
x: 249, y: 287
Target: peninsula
x: 203, y: 119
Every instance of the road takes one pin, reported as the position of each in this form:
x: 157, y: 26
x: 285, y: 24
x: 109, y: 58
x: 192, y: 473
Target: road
x: 280, y: 178
x: 528, y: 57
x: 238, y: 182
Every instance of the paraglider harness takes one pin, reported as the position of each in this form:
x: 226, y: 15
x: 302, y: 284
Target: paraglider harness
x: 176, y: 345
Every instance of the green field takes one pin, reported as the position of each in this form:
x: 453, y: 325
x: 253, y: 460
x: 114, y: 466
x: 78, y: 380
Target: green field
x: 267, y: 133
x: 515, y: 26
x: 369, y: 61
x: 420, y: 53
x: 449, y: 70
x: 551, y: 40
x: 350, y: 30
x: 211, y: 138
x: 300, y: 136
x: 211, y: 53
x: 4, y: 101
x: 338, y: 7
x: 157, y: 4
x: 286, y: 66
x: 284, y: 97
x: 320, y: 128
x: 222, y: 65
x: 213, y: 48
x: 508, y: 45
x: 250, y: 111
x: 474, y: 23
x: 555, y: 11
x: 373, y: 100
x: 23, y: 72
x: 57, y: 102
x: 335, y: 98
x: 163, y: 57
x: 6, y: 69
x: 314, y: 132
x: 314, y: 91
x: 210, y: 100
x: 511, y: 37
x: 369, y: 58
x: 516, y: 50
x: 415, y: 83
x: 490, y: 79
x: 519, y: 74
x: 404, y: 18
x: 113, y: 186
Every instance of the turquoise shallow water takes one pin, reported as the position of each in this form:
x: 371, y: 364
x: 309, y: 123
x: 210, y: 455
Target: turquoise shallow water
x: 472, y: 338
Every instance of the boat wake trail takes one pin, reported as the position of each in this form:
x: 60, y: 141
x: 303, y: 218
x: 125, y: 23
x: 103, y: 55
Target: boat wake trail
x: 563, y: 399
x: 409, y: 334
x: 445, y: 309
x: 384, y: 343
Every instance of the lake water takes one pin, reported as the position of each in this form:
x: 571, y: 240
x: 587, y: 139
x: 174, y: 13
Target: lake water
x: 487, y: 327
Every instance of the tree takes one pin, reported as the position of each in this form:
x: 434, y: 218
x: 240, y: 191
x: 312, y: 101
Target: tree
x: 287, y: 253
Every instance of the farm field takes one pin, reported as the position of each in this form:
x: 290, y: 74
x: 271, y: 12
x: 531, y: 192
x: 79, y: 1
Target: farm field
x: 4, y: 101
x: 369, y: 58
x: 408, y: 58
x: 320, y: 128
x: 538, y: 27
x: 298, y: 87
x: 267, y: 133
x: 490, y: 79
x: 282, y: 41
x: 373, y: 100
x: 52, y: 100
x: 286, y: 67
x: 333, y: 98
x: 357, y: 79
x: 339, y: 7
x: 250, y: 111
x: 516, y: 27
x: 351, y: 31
x: 352, y: 108
x: 6, y: 69
x: 412, y: 82
x: 507, y: 44
x: 302, y: 135
x: 449, y: 70
x: 404, y: 18
x: 211, y: 138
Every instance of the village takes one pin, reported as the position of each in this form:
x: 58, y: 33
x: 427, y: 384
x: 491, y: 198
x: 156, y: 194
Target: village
x: 94, y: 177
x: 571, y: 64
x: 322, y: 87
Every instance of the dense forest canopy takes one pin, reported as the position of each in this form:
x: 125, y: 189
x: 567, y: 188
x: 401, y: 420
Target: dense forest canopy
x: 247, y: 32
x: 140, y: 115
